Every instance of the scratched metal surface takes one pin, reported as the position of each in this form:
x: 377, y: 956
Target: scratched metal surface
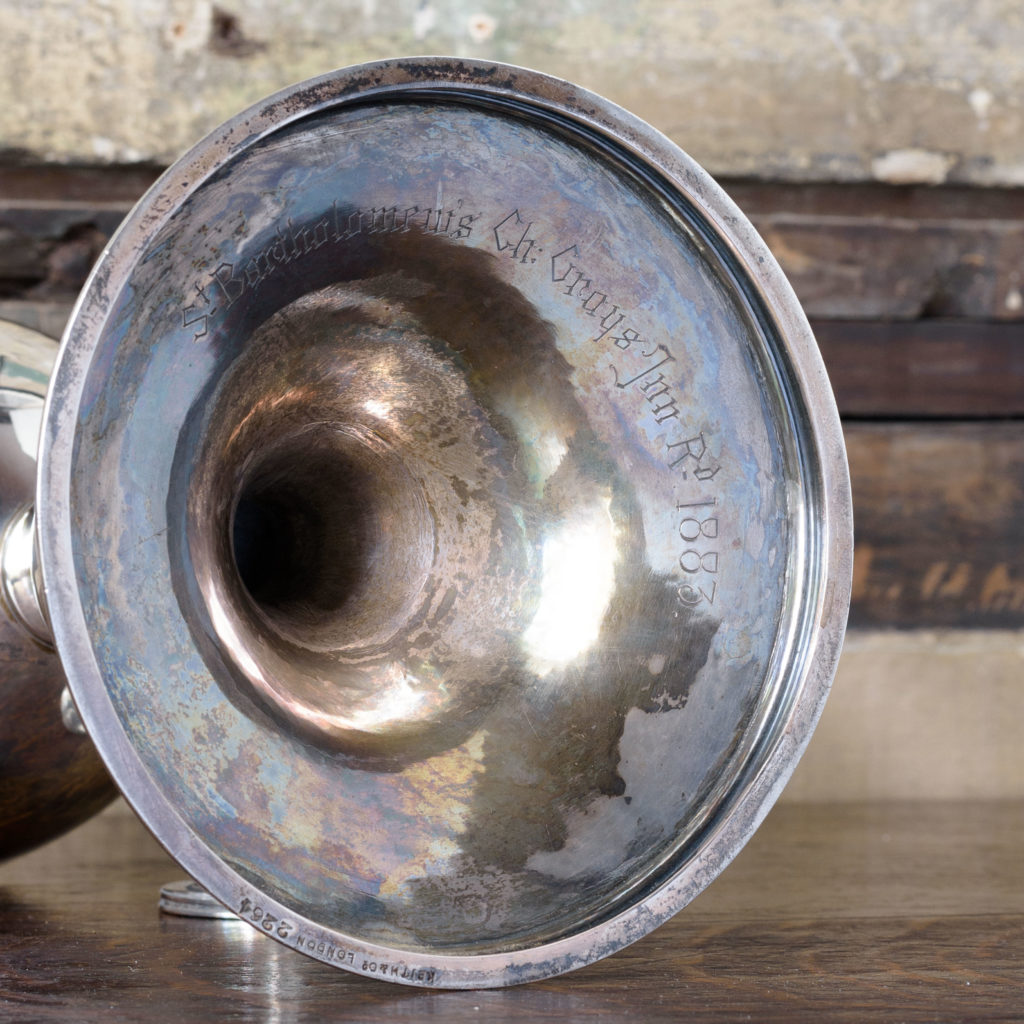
x: 552, y: 624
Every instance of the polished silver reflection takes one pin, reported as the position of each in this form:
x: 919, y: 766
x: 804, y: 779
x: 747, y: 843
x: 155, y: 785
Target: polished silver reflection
x: 19, y: 565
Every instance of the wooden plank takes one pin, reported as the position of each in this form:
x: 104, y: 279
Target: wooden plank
x: 893, y: 912
x: 49, y: 251
x: 55, y: 220
x: 940, y: 537
x: 876, y: 251
x: 49, y: 317
x: 925, y: 368
x: 882, y: 252
x: 75, y: 185
x: 939, y: 531
x: 851, y: 251
x: 862, y: 267
x: 934, y: 369
x: 930, y: 369
x: 937, y: 506
x: 876, y: 199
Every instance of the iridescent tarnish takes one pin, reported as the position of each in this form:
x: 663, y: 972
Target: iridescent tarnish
x: 446, y: 519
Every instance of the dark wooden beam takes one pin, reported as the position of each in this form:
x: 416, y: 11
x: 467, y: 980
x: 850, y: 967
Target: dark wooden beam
x: 38, y: 184
x: 864, y: 252
x: 911, y: 292
x: 884, y: 252
x: 939, y: 529
x: 947, y: 369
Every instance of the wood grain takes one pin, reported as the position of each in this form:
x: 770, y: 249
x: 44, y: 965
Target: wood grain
x: 938, y: 531
x: 861, y: 252
x: 936, y: 503
x: 924, y: 369
x: 883, y: 252
x: 902, y: 912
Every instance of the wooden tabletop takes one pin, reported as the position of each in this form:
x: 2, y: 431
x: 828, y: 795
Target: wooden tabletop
x: 891, y: 911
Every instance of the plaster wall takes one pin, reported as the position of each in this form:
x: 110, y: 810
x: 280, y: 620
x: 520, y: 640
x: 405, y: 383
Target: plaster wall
x: 916, y: 91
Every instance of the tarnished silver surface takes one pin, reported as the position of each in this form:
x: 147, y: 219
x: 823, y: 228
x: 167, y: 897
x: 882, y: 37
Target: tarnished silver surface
x: 445, y: 521
x: 50, y: 779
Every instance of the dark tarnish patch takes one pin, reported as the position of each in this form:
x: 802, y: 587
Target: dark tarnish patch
x: 487, y: 73
x: 416, y: 75
x: 461, y: 489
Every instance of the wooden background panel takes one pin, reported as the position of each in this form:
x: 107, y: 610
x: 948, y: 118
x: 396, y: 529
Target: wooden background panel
x: 881, y: 252
x: 867, y: 263
x: 859, y: 252
x: 924, y: 369
x: 868, y: 268
x: 938, y: 524
x: 936, y: 506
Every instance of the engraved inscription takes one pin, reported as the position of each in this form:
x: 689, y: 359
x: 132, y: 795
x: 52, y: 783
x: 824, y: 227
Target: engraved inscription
x: 198, y: 314
x: 229, y: 281
x: 644, y: 366
x: 325, y: 950
x: 516, y: 244
x: 698, y: 532
x: 267, y: 921
x: 641, y: 368
x: 695, y: 448
x: 573, y: 281
x: 389, y: 969
x: 656, y: 389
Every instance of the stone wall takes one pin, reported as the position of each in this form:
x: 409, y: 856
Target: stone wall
x: 849, y: 90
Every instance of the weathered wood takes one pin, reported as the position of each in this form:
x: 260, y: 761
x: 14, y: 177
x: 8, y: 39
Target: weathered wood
x: 926, y: 369
x: 876, y: 268
x: 851, y: 251
x: 935, y: 506
x: 48, y: 316
x: 68, y: 184
x: 948, y: 369
x: 54, y: 222
x: 49, y: 251
x: 883, y: 252
x: 940, y: 538
x: 875, y: 199
x: 902, y: 912
x: 937, y: 516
